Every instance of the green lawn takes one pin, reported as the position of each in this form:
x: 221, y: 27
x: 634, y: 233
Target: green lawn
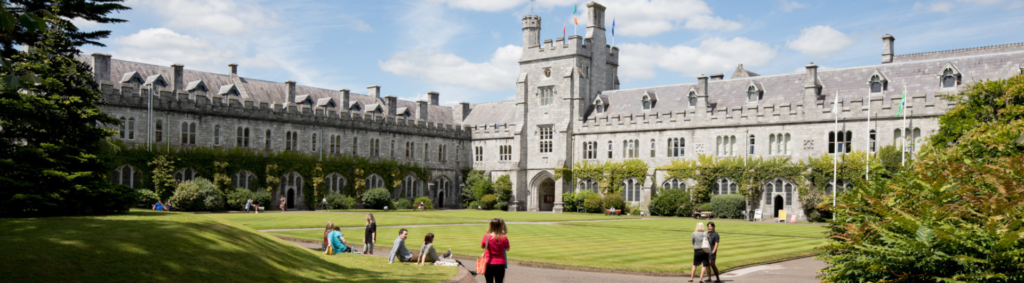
x: 596, y: 247
x: 319, y: 219
x: 510, y: 216
x: 146, y: 246
x: 724, y: 227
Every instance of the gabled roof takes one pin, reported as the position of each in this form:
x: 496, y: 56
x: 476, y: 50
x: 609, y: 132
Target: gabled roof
x: 373, y: 107
x: 326, y: 102
x: 881, y: 76
x: 652, y: 95
x: 402, y: 111
x: 303, y: 99
x: 230, y: 89
x: 132, y: 77
x: 950, y: 66
x: 602, y: 98
x: 740, y: 72
x: 156, y: 80
x: 355, y: 105
x: 197, y: 85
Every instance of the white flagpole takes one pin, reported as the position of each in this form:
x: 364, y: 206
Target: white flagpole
x: 835, y: 154
x: 867, y: 158
x: 903, y: 110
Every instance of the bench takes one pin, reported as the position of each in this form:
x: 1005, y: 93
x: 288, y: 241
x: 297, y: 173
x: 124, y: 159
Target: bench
x: 707, y: 215
x: 609, y: 212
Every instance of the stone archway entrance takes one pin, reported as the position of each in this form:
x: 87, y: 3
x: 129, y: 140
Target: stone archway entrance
x: 778, y: 205
x: 546, y: 195
x: 291, y: 199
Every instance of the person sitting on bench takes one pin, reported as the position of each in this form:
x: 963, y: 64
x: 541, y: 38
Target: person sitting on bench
x: 611, y: 211
x: 696, y: 215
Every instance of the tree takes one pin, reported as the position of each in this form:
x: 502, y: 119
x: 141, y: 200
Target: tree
x: 50, y: 127
x: 272, y: 179
x: 985, y: 122
x: 503, y: 188
x: 163, y: 178
x: 318, y: 184
x: 221, y: 179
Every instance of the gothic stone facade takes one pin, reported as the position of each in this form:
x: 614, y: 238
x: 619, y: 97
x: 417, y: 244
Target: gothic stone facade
x: 569, y: 108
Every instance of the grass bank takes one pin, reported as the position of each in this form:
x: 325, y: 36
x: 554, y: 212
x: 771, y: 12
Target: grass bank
x: 724, y: 227
x: 278, y: 220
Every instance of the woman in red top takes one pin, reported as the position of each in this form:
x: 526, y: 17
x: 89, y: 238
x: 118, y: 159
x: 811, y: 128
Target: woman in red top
x: 496, y: 244
x: 330, y: 227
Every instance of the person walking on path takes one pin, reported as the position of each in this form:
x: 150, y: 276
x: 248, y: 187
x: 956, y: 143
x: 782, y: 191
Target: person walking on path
x: 398, y: 250
x: 282, y: 203
x: 370, y: 238
x: 713, y: 240
x: 699, y: 256
x: 323, y: 204
x: 497, y: 245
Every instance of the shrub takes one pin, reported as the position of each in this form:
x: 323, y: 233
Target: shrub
x: 573, y: 200
x: 403, y: 203
x: 425, y: 200
x: 377, y: 199
x: 197, y: 195
x: 592, y: 203
x: 613, y: 200
x: 668, y: 202
x: 705, y: 206
x: 503, y: 189
x: 501, y: 205
x: 147, y: 197
x: 262, y: 198
x: 810, y: 202
x: 728, y: 206
x: 473, y: 205
x: 237, y: 198
x: 488, y: 202
x: 339, y: 201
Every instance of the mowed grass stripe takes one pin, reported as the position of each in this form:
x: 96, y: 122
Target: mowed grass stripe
x: 510, y: 216
x: 723, y: 227
x: 319, y: 219
x: 596, y: 247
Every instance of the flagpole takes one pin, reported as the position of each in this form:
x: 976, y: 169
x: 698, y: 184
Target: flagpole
x: 835, y: 154
x: 867, y: 157
x: 903, y: 144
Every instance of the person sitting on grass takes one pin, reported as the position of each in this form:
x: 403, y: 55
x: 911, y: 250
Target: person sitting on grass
x: 330, y: 227
x: 158, y: 206
x: 337, y: 242
x: 429, y: 254
x: 398, y: 250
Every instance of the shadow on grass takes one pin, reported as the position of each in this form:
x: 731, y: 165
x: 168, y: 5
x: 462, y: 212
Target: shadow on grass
x: 156, y: 246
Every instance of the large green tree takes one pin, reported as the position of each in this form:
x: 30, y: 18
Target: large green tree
x: 50, y: 127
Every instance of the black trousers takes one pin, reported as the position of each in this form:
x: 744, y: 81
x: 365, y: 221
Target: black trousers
x: 495, y: 273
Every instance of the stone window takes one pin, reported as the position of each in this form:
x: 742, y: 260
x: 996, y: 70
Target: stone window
x: 355, y: 146
x: 907, y: 139
x: 778, y: 186
x: 375, y: 147
x: 752, y: 94
x: 244, y: 179
x: 609, y: 149
x: 590, y: 150
x: 288, y: 139
x: 546, y: 138
x: 373, y: 182
x: 751, y: 145
x: 131, y: 128
x: 216, y: 134
x: 478, y: 153
x: 410, y: 152
x: 724, y: 186
x: 158, y: 132
x: 840, y: 142
x: 331, y: 145
x: 876, y: 84
x: 725, y: 145
x: 676, y: 147
x: 950, y: 78
x: 392, y: 148
x: 335, y: 183
x: 547, y: 95
x: 647, y: 102
x: 653, y: 148
x: 442, y: 152
x: 126, y: 175
x: 242, y: 137
x: 410, y: 187
x: 872, y: 140
x: 506, y: 152
x: 843, y: 187
x: 630, y: 149
x: 183, y: 175
x: 631, y: 189
x: 674, y: 184
x: 312, y: 143
x: 426, y: 152
x: 778, y: 144
x: 188, y: 133
x: 589, y: 185
x: 599, y: 106
x: 693, y: 99
x: 444, y: 188
x: 266, y: 141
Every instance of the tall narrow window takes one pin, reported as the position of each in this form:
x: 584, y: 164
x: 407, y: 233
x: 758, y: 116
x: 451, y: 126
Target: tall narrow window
x: 192, y: 133
x: 948, y: 79
x: 871, y: 142
x: 546, y: 138
x: 751, y: 152
x: 245, y: 137
x: 312, y: 143
x: 355, y: 145
x: 216, y: 134
x: 789, y: 194
x: 897, y: 139
x: 652, y: 147
x: 831, y: 142
x: 288, y: 140
x: 158, y: 133
x: 848, y: 146
x: 547, y: 95
x: 599, y: 106
x: 752, y: 94
x: 693, y: 99
x: 478, y: 153
x: 876, y: 84
x: 392, y: 148
x: 131, y: 128
x: 184, y: 133
x: 785, y: 144
x: 121, y: 128
x: 426, y: 152
x: 647, y: 103
x: 266, y: 141
x: 238, y: 137
x: 609, y: 149
x: 772, y: 145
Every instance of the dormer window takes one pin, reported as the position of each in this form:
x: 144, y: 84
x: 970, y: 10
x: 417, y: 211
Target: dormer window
x: 599, y: 106
x: 950, y: 77
x: 647, y: 103
x: 229, y: 90
x: 876, y: 84
x: 693, y: 99
x: 197, y: 88
x: 752, y: 94
x: 356, y: 107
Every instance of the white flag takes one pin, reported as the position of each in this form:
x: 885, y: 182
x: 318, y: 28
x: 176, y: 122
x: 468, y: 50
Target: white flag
x: 835, y: 105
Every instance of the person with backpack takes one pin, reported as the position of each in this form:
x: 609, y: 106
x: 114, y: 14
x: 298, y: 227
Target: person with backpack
x: 700, y: 257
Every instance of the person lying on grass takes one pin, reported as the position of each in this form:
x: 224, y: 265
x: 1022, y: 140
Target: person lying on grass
x: 429, y: 254
x: 337, y: 242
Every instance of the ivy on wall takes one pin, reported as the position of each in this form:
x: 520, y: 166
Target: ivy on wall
x: 268, y: 167
x: 609, y: 175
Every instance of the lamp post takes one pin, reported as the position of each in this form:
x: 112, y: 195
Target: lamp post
x: 149, y: 117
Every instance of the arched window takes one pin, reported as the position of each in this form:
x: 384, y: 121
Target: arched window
x: 183, y: 175
x: 725, y: 145
x: 599, y: 106
x: 589, y: 185
x: 872, y: 142
x: 547, y: 95
x: 647, y: 102
x: 374, y: 181
x: 292, y: 179
x: 724, y: 186
x: 244, y: 179
x: 950, y: 79
x: 676, y: 147
x: 876, y: 84
x: 188, y: 133
x: 355, y: 145
x: 131, y: 128
x: 751, y: 145
x: 242, y: 137
x: 841, y: 142
x: 216, y: 134
x: 843, y: 187
x: 126, y: 175
x: 693, y: 99
x: 121, y: 128
x: 266, y: 141
x: 444, y: 188
x: 778, y: 144
x: 653, y: 147
x: 158, y: 132
x: 778, y: 186
x: 752, y: 94
x: 609, y: 149
x: 335, y: 183
x: 410, y: 187
x: 674, y: 184
x: 631, y: 189
x: 426, y: 152
x: 312, y: 143
x: 393, y: 149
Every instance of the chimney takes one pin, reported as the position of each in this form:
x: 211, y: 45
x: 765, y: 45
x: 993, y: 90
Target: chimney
x: 887, y: 48
x: 421, y: 110
x: 702, y: 94
x: 717, y: 77
x: 234, y: 68
x: 101, y: 67
x: 344, y: 98
x: 433, y: 97
x: 177, y: 76
x: 811, y: 86
x: 373, y: 91
x: 291, y: 91
x: 392, y: 102
x: 461, y: 112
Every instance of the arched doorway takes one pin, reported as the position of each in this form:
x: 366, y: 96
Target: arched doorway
x: 546, y: 195
x: 291, y: 199
x: 778, y: 205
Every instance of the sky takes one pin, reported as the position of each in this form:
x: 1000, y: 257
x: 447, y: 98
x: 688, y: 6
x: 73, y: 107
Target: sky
x: 468, y: 49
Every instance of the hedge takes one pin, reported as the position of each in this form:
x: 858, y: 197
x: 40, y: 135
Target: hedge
x: 728, y: 206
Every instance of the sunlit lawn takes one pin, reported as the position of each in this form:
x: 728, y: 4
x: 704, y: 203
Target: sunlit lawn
x: 596, y: 247
x: 511, y: 216
x: 147, y: 246
x: 319, y: 219
x: 723, y: 227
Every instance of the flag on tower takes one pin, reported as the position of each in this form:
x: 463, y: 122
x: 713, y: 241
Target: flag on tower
x: 574, y: 10
x: 563, y: 31
x: 613, y: 27
x: 835, y: 104
x: 903, y: 103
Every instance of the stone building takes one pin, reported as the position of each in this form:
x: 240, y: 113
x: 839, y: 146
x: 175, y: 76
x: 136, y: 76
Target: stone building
x: 568, y: 108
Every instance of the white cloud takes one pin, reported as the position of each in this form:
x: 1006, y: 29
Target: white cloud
x: 943, y: 7
x: 789, y: 6
x: 704, y: 22
x: 81, y: 23
x: 429, y: 27
x: 982, y: 2
x: 497, y: 74
x: 223, y: 16
x: 713, y: 55
x: 162, y: 46
x: 354, y: 23
x: 820, y: 41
